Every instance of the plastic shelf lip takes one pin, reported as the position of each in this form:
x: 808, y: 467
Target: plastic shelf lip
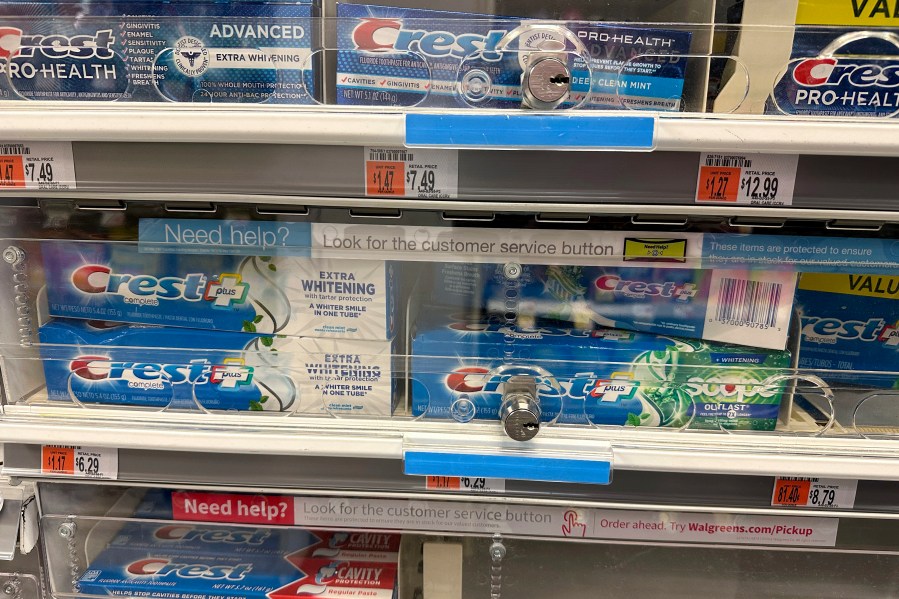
x: 472, y: 130
x: 9, y: 528
x: 424, y: 463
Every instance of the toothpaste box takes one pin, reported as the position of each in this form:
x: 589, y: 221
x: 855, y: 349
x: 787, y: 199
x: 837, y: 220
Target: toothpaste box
x: 850, y: 323
x: 202, y: 539
x: 158, y: 573
x: 112, y: 363
x: 603, y: 376
x: 746, y: 307
x: 414, y: 57
x: 245, y: 51
x: 289, y: 295
x: 844, y: 62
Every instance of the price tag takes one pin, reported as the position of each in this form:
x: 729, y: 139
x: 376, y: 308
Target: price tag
x: 814, y: 492
x: 80, y: 462
x: 464, y: 484
x: 749, y: 179
x: 411, y: 173
x: 36, y: 165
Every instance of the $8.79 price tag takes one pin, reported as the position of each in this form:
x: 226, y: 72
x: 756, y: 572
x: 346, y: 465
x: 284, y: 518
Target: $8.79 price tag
x: 464, y: 484
x: 36, y: 165
x: 814, y: 492
x: 407, y: 173
x: 81, y: 462
x: 749, y: 179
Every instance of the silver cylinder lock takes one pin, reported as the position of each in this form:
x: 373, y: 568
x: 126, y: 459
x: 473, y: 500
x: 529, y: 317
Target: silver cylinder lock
x: 520, y: 410
x: 546, y: 82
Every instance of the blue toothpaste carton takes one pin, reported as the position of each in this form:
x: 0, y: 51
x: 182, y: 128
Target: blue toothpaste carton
x: 119, y: 364
x: 850, y: 323
x: 245, y: 51
x: 283, y: 295
x: 746, y: 307
x: 407, y: 57
x: 602, y: 376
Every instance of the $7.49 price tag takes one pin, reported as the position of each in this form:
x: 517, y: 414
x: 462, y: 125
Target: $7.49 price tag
x: 814, y: 492
x: 464, y: 484
x: 749, y: 179
x: 36, y: 165
x: 80, y: 462
x: 407, y: 173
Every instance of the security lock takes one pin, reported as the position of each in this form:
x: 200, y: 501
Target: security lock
x: 546, y: 82
x: 520, y: 410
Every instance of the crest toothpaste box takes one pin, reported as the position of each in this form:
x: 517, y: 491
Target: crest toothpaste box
x: 746, y: 307
x: 603, y: 376
x: 245, y: 52
x: 155, y: 573
x: 850, y: 323
x: 414, y: 57
x: 281, y: 295
x: 844, y: 62
x: 119, y: 364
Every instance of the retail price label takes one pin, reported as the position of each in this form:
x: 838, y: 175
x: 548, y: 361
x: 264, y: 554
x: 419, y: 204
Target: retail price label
x: 36, y: 165
x: 746, y: 179
x: 464, y: 484
x: 429, y: 174
x: 80, y: 462
x: 814, y: 492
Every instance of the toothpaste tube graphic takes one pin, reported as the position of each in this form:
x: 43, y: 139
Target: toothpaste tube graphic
x: 293, y: 296
x: 113, y: 363
x: 850, y: 323
x: 243, y: 52
x: 408, y: 57
x: 336, y: 579
x: 602, y: 376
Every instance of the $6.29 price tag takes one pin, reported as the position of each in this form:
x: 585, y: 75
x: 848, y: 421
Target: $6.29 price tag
x: 814, y: 492
x: 464, y: 484
x: 749, y: 179
x: 80, y: 462
x: 407, y: 173
x: 36, y: 165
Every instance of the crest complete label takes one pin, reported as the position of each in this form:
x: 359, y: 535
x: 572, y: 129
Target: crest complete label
x: 405, y: 57
x: 603, y: 376
x: 236, y: 52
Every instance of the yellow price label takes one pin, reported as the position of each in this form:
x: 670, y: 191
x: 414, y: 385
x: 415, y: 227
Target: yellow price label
x: 655, y: 250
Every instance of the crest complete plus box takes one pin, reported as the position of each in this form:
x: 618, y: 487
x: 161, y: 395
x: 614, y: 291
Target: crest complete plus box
x: 603, y: 376
x: 294, y: 296
x: 405, y: 57
x: 246, y: 51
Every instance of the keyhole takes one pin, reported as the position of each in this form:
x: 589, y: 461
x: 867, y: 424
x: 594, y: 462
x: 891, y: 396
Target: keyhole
x: 560, y: 79
x: 530, y: 426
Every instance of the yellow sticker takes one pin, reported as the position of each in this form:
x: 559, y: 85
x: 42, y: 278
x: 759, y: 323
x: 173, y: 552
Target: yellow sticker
x: 867, y: 285
x: 655, y: 250
x: 866, y: 13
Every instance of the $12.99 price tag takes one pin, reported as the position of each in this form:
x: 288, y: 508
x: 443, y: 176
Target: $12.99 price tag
x: 406, y: 173
x: 749, y: 179
x: 464, y: 484
x: 814, y: 492
x: 80, y: 462
x: 36, y: 165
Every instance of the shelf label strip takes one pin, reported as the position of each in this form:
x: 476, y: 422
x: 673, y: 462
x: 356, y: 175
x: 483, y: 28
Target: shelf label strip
x: 425, y: 463
x: 530, y: 130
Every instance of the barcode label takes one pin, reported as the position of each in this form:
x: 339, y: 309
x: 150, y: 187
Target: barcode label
x: 387, y: 155
x: 15, y: 150
x: 728, y: 161
x: 749, y: 303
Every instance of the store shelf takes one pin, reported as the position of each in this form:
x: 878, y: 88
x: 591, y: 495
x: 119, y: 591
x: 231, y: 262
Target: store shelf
x: 329, y: 125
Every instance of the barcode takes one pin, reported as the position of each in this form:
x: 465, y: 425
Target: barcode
x: 748, y: 303
x: 14, y: 149
x: 814, y: 480
x: 390, y: 155
x: 719, y: 160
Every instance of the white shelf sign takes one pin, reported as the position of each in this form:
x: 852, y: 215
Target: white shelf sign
x: 80, y: 462
x: 465, y: 484
x: 36, y: 165
x: 411, y: 173
x: 831, y: 493
x: 747, y: 179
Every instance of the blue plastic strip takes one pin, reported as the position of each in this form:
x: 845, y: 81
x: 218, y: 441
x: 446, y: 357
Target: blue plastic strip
x: 530, y: 130
x: 425, y: 463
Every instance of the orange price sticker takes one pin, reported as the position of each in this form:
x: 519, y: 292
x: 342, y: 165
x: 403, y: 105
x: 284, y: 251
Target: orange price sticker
x: 385, y: 178
x: 718, y: 184
x: 12, y: 173
x: 58, y: 460
x: 791, y: 492
x: 443, y: 483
